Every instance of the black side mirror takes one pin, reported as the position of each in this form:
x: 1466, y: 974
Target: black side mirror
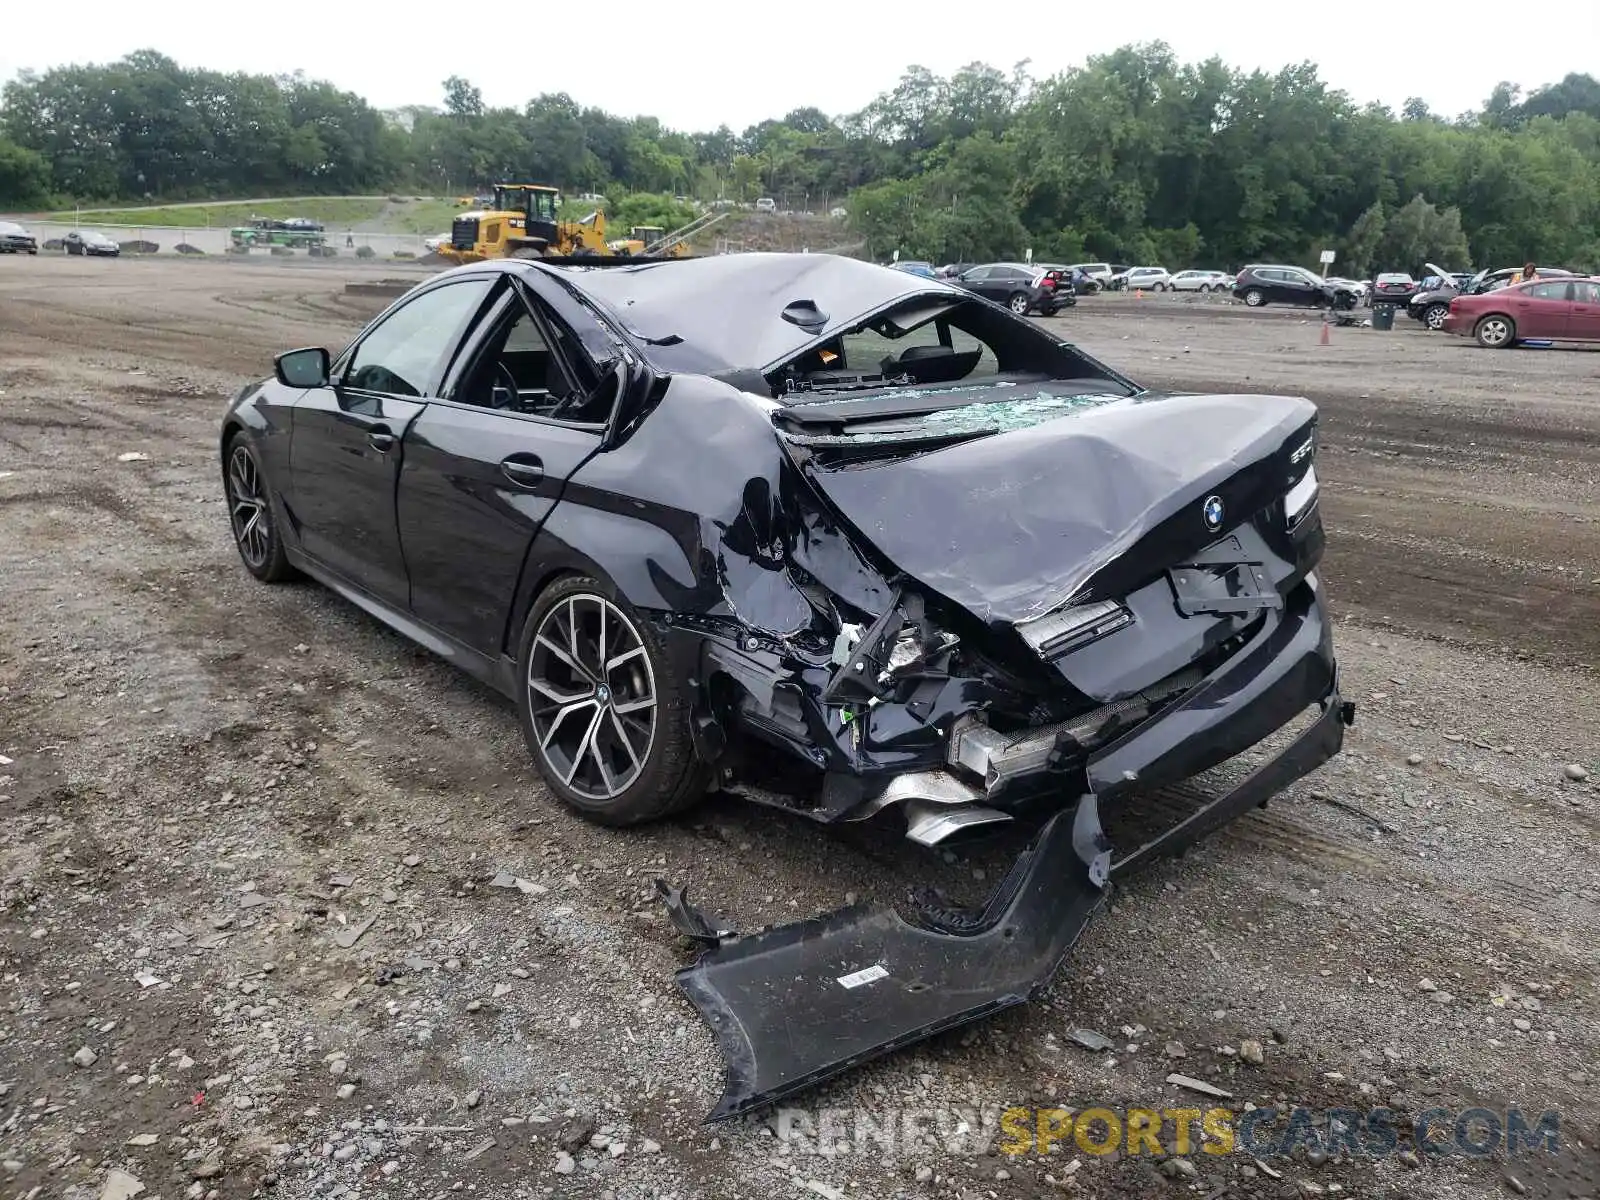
x: 306, y: 368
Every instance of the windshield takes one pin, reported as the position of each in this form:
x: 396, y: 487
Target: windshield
x: 537, y: 205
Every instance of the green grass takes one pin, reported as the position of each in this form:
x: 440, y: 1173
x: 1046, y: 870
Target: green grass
x: 336, y: 212
x: 421, y: 216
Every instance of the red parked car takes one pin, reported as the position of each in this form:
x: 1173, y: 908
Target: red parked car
x: 1558, y: 310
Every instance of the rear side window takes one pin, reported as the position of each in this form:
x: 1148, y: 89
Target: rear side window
x: 869, y: 351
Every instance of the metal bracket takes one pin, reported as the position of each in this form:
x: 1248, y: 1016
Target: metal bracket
x: 689, y: 920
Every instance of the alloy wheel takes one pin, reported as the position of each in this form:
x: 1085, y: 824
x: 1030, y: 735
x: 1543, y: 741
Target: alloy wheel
x: 591, y: 696
x: 247, y: 507
x: 1434, y: 317
x: 1494, y: 331
x: 1019, y: 305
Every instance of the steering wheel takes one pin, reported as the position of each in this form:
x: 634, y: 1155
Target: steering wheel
x: 506, y: 379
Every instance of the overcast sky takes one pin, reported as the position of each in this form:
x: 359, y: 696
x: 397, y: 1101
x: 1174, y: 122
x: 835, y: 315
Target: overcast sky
x: 697, y: 66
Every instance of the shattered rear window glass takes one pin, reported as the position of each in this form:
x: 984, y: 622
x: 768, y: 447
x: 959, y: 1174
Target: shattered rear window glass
x: 867, y: 350
x: 997, y: 407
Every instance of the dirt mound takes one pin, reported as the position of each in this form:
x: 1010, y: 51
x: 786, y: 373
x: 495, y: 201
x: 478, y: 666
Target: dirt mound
x: 50, y: 244
x: 186, y: 248
x: 139, y: 246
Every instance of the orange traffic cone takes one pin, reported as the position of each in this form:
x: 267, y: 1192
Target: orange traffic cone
x: 1138, y: 293
x: 1324, y: 333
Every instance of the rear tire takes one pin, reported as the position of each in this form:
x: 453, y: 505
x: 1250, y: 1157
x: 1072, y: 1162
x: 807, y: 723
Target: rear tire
x: 1254, y: 299
x: 1018, y: 303
x: 602, y: 711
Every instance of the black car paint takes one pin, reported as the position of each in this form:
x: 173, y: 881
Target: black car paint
x: 90, y: 244
x: 1299, y: 291
x: 747, y: 546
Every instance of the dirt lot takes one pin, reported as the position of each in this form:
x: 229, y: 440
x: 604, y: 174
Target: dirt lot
x: 209, y: 786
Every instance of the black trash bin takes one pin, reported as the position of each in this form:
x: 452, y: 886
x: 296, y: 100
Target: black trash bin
x: 1383, y: 316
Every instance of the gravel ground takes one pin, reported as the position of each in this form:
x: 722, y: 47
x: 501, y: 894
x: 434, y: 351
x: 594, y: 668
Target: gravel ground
x: 254, y: 939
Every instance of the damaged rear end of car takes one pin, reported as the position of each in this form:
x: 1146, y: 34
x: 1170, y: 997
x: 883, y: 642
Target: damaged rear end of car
x: 965, y: 574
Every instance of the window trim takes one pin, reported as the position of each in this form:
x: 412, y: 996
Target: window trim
x: 469, y: 356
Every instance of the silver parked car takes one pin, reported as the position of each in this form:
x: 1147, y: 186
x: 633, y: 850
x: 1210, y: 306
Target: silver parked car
x: 1143, y: 279
x: 1201, y: 281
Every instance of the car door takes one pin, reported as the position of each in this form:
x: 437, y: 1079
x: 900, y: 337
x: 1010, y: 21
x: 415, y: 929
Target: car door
x: 1006, y: 280
x: 979, y: 280
x: 524, y: 407
x: 1298, y: 289
x: 1583, y: 319
x: 1541, y: 310
x: 347, y: 440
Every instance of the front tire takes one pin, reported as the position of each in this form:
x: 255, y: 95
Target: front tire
x: 1495, y: 332
x: 1254, y: 298
x: 1434, y: 315
x: 604, y: 714
x: 255, y: 531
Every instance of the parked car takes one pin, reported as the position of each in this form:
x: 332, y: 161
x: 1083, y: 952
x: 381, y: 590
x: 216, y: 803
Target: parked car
x: 87, y: 242
x: 1100, y: 272
x: 915, y: 267
x: 1273, y: 284
x: 1083, y: 284
x: 1201, y: 281
x: 953, y: 270
x: 1431, y: 307
x: 1434, y: 293
x: 1020, y: 287
x: 14, y: 239
x: 1360, y: 287
x: 766, y: 204
x: 1020, y: 587
x: 1557, y: 310
x: 1393, y: 287
x: 1145, y: 279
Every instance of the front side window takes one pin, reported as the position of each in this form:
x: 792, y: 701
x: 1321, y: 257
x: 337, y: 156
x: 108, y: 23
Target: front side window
x: 404, y: 354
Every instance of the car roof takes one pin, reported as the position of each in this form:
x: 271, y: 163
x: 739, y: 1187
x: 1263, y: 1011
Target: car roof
x: 726, y: 312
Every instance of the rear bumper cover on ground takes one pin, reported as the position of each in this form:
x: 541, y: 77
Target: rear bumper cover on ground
x: 793, y: 1006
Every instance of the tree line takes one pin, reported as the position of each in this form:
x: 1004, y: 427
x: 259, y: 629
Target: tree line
x: 1134, y: 156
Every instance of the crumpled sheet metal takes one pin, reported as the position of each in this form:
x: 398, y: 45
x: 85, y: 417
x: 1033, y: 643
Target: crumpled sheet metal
x: 1012, y: 526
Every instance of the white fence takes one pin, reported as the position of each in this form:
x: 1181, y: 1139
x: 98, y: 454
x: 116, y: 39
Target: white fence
x: 167, y: 239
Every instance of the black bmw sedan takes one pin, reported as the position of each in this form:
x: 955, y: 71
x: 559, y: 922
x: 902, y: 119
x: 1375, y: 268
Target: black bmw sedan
x: 841, y: 538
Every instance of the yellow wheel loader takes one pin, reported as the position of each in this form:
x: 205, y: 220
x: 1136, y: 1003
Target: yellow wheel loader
x: 522, y: 223
x: 641, y: 238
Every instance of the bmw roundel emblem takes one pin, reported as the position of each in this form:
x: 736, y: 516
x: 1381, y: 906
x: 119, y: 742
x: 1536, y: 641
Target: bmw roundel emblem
x: 1213, y: 512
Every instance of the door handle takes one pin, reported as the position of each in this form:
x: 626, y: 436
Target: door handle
x: 524, y: 470
x: 381, y: 440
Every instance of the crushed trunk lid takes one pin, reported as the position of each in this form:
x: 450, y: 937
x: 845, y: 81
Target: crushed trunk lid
x: 1016, y: 523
